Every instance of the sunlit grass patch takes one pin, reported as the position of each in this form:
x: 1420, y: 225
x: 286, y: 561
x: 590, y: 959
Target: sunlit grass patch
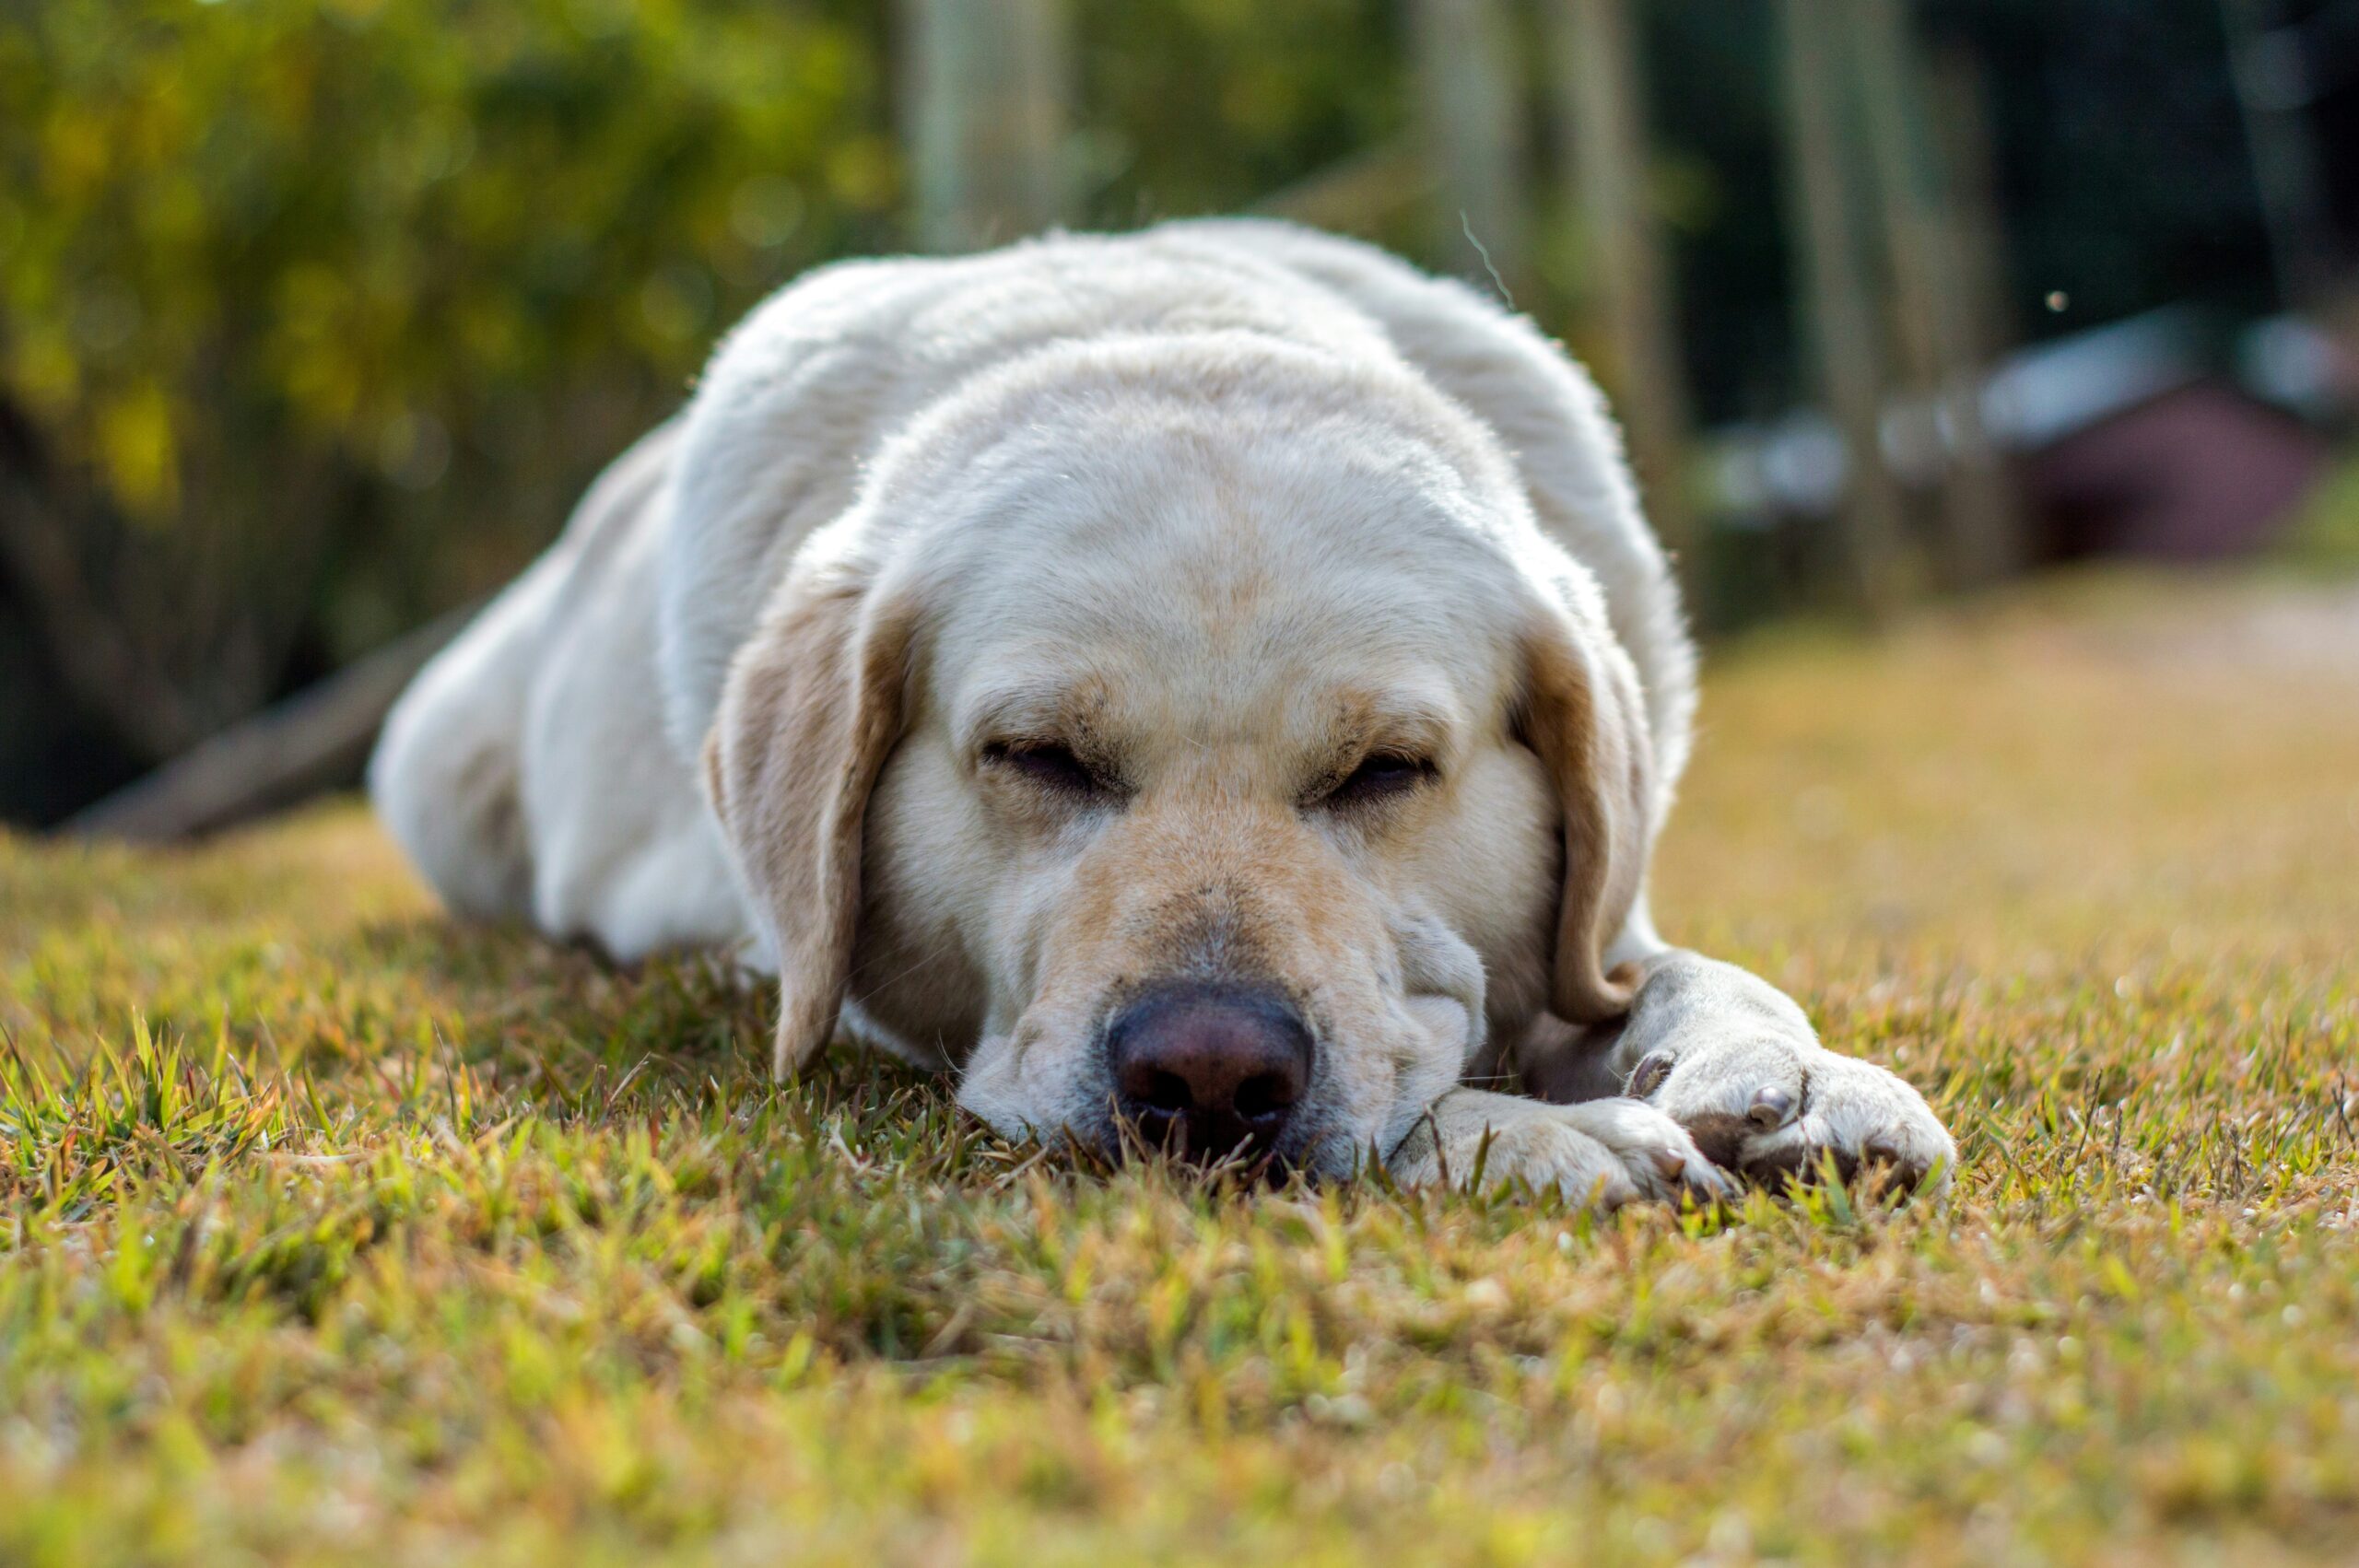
x: 331, y: 1231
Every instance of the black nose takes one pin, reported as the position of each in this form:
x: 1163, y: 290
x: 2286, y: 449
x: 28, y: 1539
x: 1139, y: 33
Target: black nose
x: 1208, y: 1070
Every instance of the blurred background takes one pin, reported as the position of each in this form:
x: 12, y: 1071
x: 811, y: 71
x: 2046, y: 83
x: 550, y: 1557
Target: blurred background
x: 316, y: 315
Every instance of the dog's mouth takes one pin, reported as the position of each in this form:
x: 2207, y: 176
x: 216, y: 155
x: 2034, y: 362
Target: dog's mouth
x: 1215, y: 1148
x: 1205, y: 1137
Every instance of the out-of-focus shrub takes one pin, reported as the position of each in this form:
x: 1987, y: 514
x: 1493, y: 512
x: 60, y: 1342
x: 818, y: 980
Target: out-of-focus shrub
x: 314, y: 313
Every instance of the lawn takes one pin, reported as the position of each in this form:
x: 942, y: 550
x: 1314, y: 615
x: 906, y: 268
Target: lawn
x: 330, y: 1231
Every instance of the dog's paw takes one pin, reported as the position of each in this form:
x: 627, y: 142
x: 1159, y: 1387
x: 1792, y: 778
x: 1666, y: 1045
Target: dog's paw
x: 1769, y: 1107
x: 1605, y: 1153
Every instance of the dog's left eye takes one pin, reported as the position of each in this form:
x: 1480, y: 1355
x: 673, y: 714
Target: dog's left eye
x: 1380, y: 776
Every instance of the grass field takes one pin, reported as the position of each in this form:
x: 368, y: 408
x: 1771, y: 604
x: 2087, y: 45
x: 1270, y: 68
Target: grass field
x: 331, y: 1232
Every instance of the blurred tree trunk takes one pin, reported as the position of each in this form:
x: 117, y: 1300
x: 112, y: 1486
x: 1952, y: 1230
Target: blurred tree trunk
x: 1473, y: 101
x: 1961, y: 111
x: 2271, y: 97
x: 1836, y: 311
x: 1969, y: 152
x: 1939, y: 344
x: 1602, y: 118
x: 985, y: 95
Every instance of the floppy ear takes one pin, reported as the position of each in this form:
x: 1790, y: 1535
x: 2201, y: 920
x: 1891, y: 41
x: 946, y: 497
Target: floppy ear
x: 1583, y: 716
x: 811, y: 710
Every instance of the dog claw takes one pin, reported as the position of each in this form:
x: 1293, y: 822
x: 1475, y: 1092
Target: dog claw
x: 1772, y: 1108
x: 1670, y: 1163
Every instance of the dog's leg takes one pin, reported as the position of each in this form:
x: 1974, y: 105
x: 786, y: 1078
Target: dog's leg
x: 1735, y: 1063
x: 1603, y: 1152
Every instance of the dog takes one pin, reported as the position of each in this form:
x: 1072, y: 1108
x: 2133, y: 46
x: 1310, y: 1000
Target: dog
x: 1211, y: 688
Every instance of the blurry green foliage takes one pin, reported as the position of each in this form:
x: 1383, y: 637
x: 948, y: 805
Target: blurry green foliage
x: 270, y: 269
x: 371, y: 220
x: 1198, y: 106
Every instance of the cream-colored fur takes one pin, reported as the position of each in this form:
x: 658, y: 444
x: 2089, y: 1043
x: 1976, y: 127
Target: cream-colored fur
x: 1221, y: 510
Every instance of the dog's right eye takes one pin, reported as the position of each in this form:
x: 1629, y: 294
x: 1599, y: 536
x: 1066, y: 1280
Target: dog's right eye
x: 1051, y: 766
x: 1380, y: 776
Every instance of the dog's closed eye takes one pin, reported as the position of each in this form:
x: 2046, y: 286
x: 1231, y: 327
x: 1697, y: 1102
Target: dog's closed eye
x: 1381, y: 776
x: 1049, y: 765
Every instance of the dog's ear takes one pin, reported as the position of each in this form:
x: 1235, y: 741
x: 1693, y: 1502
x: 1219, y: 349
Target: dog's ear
x: 1583, y: 716
x: 813, y: 707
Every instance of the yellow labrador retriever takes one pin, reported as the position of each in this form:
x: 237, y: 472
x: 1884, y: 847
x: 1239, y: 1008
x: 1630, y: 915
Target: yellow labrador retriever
x: 1213, y: 684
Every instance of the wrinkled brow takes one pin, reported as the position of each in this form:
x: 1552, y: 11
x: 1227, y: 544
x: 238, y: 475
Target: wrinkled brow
x: 1410, y: 721
x: 1052, y: 707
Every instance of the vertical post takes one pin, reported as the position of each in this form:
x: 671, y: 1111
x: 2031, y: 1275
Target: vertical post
x: 1472, y: 102
x: 1969, y: 152
x: 2270, y: 96
x: 1602, y: 119
x: 984, y: 100
x: 1837, y: 316
x: 1935, y: 327
x: 1961, y: 104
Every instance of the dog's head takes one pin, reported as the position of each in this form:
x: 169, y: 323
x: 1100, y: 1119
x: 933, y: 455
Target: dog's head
x: 1200, y: 740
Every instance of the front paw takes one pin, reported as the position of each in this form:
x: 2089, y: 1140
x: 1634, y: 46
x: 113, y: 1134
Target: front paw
x: 1771, y: 1107
x: 1605, y: 1153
